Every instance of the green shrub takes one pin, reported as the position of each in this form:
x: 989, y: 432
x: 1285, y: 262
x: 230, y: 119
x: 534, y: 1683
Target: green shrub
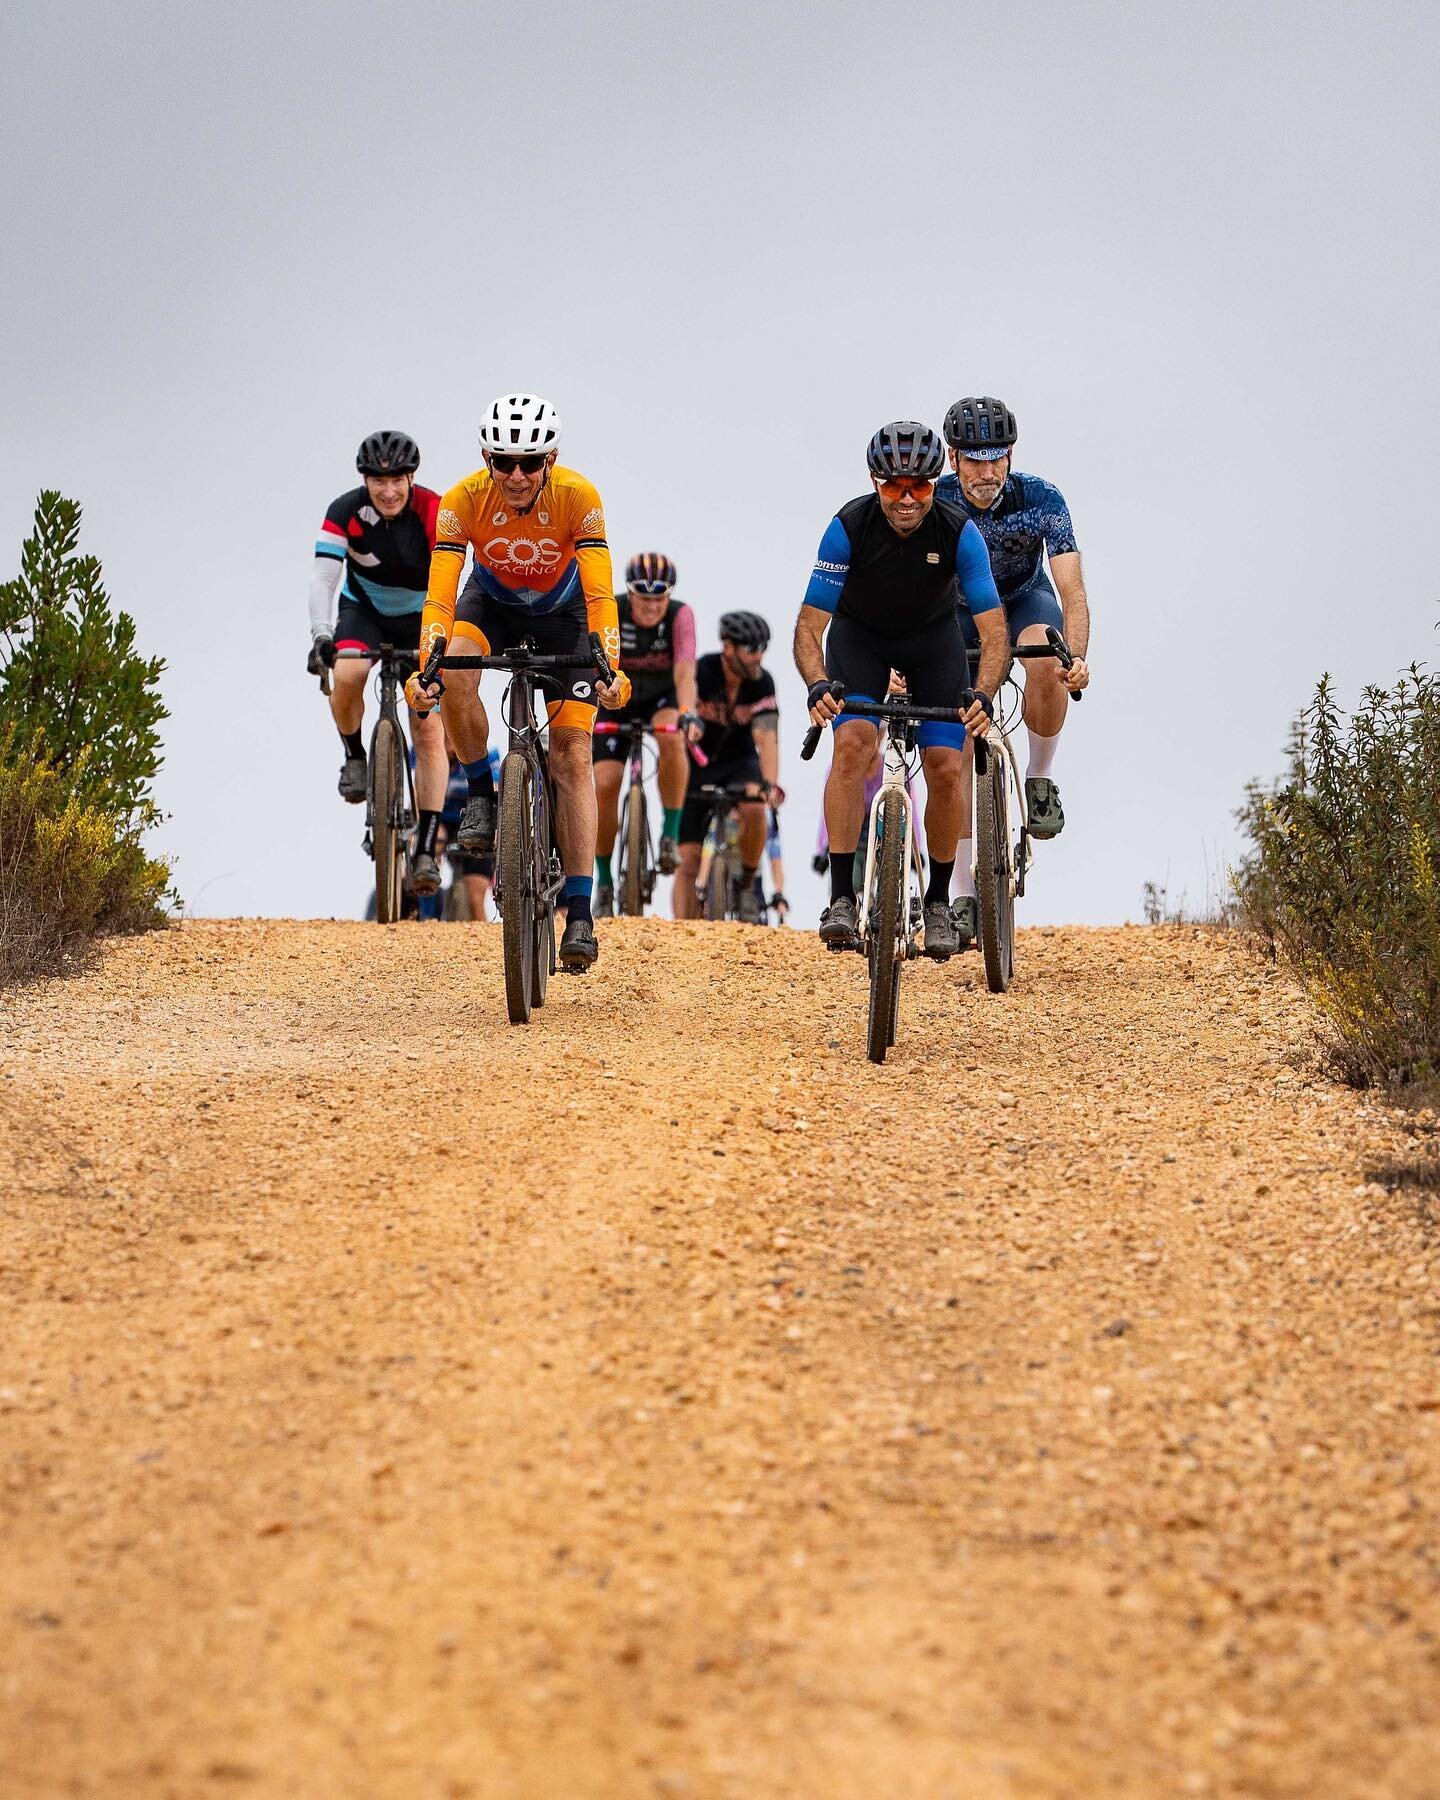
x: 69, y: 670
x: 67, y: 872
x: 1340, y: 877
x: 79, y: 747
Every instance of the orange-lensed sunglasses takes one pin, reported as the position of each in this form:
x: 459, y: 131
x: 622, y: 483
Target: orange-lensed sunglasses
x: 907, y: 486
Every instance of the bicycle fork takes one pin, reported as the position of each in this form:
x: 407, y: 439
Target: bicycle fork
x: 894, y: 781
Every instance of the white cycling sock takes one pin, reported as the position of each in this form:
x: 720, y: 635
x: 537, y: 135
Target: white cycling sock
x: 1042, y: 754
x: 963, y: 885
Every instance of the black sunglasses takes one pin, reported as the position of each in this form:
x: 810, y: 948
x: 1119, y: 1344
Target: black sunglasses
x: 527, y: 465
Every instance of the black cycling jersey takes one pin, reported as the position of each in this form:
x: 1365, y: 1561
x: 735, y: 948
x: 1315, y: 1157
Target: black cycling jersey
x: 728, y: 735
x: 649, y: 653
x: 897, y: 585
x: 387, y: 561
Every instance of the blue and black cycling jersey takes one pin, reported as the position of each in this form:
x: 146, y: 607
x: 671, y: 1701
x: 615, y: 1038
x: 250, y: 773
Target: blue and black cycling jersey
x: 1029, y: 518
x: 895, y: 585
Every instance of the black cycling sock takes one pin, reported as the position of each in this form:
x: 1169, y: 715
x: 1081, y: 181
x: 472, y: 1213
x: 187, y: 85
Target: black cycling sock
x: 940, y: 873
x: 425, y: 832
x: 578, y: 907
x: 842, y: 875
x: 354, y: 742
x: 749, y: 873
x: 481, y: 779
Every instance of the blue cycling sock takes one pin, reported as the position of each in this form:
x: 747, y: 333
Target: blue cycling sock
x: 578, y: 889
x: 479, y: 777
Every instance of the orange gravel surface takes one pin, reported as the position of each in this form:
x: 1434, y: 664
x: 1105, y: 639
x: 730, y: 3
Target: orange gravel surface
x: 662, y: 1400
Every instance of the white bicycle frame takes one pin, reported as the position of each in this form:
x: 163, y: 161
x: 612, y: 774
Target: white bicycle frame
x: 893, y: 780
x: 998, y: 734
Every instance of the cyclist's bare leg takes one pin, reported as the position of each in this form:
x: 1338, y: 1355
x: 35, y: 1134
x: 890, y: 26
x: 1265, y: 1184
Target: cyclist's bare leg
x: 464, y: 710
x: 674, y: 771
x: 477, y: 889
x: 1046, y: 698
x: 609, y: 777
x: 852, y: 752
x: 347, y: 693
x: 753, y: 824
x: 685, y: 894
x: 944, y: 813
x: 572, y: 767
x: 432, y: 761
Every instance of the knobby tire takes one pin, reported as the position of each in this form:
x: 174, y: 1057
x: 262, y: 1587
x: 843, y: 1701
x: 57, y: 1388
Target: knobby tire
x: 995, y: 895
x: 888, y: 911
x: 717, y: 887
x: 515, y: 866
x: 636, y: 851
x: 386, y: 786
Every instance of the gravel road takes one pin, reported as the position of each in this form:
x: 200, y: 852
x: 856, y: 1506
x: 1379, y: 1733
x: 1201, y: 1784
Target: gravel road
x: 662, y: 1400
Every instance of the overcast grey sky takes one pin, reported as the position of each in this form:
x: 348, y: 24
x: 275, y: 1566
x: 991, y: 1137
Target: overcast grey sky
x: 1193, y: 248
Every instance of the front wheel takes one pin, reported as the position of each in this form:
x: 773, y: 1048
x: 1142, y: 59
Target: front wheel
x: 387, y: 762
x: 635, y: 854
x: 515, y: 867
x: 994, y: 875
x: 717, y: 887
x: 887, y: 922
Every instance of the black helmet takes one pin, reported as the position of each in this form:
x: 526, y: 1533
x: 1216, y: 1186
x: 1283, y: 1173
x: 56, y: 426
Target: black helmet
x: 746, y: 629
x: 650, y: 573
x: 905, y: 447
x: 981, y: 427
x: 387, y: 453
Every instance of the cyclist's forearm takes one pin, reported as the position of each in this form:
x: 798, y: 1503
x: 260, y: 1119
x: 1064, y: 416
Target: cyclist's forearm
x: 436, y: 621
x: 810, y: 644
x: 766, y: 733
x: 602, y: 616
x: 686, y: 692
x: 994, y: 650
x: 323, y: 583
x: 1074, y: 601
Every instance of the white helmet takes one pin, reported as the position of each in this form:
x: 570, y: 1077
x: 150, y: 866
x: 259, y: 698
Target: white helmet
x: 522, y: 424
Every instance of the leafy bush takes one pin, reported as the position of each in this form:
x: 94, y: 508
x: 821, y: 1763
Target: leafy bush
x: 1340, y: 880
x: 79, y: 747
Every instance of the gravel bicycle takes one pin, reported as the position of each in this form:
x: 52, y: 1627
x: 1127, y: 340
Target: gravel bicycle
x: 891, y: 908
x: 725, y: 877
x: 636, y: 864
x: 390, y: 792
x: 1002, y: 861
x: 528, y: 873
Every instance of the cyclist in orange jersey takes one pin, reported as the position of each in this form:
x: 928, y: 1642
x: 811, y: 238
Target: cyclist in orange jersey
x: 541, y: 572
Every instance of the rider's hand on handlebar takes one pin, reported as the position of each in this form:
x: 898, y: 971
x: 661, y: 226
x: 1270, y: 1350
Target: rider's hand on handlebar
x: 421, y: 699
x: 322, y: 654
x: 775, y: 794
x: 614, y: 694
x: 1077, y: 676
x: 977, y: 720
x: 825, y: 701
x: 692, y: 725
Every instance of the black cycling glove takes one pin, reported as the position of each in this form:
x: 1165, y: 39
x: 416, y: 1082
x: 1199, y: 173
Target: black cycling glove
x: 819, y: 689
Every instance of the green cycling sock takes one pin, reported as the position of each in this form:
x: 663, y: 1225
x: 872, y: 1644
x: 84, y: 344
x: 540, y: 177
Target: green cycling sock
x: 671, y: 826
x: 602, y: 870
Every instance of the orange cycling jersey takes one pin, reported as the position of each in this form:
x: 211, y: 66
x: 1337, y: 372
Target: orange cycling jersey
x: 535, y: 562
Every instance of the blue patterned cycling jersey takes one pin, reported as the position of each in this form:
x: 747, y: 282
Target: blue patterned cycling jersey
x: 1029, y: 517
